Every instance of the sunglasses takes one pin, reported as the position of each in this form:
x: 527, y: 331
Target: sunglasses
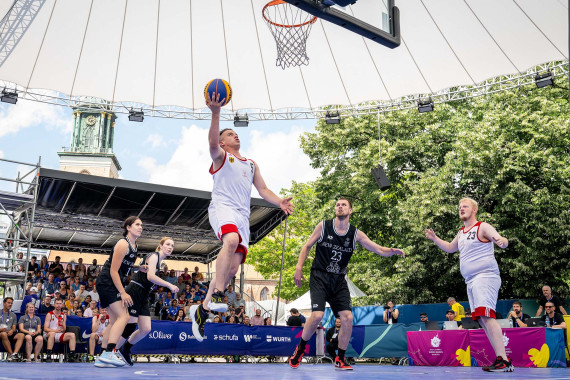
x: 549, y: 307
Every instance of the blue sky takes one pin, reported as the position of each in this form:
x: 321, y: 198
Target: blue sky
x: 166, y: 151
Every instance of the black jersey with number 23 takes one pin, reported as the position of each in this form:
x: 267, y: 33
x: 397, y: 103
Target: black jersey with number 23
x: 333, y: 251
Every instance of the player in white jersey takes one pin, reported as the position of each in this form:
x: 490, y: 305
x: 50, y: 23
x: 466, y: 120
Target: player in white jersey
x: 229, y: 211
x: 481, y: 273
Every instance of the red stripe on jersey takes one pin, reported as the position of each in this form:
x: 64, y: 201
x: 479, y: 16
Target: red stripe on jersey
x: 479, y: 224
x: 212, y: 171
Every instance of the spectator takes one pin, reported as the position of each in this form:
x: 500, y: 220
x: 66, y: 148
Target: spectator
x: 199, y: 293
x: 180, y: 315
x: 93, y: 269
x: 76, y: 306
x: 167, y: 300
x: 468, y: 313
x: 33, y: 265
x: 54, y: 330
x: 548, y: 297
x: 68, y: 270
x: 81, y: 293
x: 91, y: 310
x: 240, y: 312
x: 31, y: 331
x: 556, y: 320
x: 391, y: 314
x: 231, y: 295
x: 184, y: 277
x: 28, y: 287
x: 59, y: 278
x: 90, y: 284
x: 232, y: 314
x: 246, y: 321
x: 257, y: 319
x: 450, y: 316
x: 31, y: 298
x: 173, y: 310
x: 217, y: 319
x: 44, y: 266
x: 56, y: 268
x: 197, y: 276
x: 188, y: 292
x: 172, y: 277
x: 457, y: 308
x: 86, y: 303
x: 424, y: 318
x: 80, y: 269
x: 69, y: 302
x: 93, y: 293
x: 63, y: 292
x: 517, y: 316
x: 231, y: 319
x: 332, y: 338
x: 37, y: 276
x: 50, y: 286
x: 239, y: 302
x: 79, y: 313
x: 98, y: 326
x: 76, y: 284
x: 296, y: 319
x: 267, y: 321
x: 46, y: 306
x: 40, y: 287
x: 182, y: 299
x: 8, y: 334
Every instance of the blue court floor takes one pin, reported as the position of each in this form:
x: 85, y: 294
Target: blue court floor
x: 264, y: 371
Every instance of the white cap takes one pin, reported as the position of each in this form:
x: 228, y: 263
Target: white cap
x: 33, y: 289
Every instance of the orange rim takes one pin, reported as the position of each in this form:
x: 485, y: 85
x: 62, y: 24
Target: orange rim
x: 279, y: 2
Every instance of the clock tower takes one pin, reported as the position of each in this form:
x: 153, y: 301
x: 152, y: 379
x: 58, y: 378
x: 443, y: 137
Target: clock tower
x: 91, y: 150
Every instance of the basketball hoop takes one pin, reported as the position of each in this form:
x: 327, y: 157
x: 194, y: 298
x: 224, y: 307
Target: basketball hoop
x: 290, y: 27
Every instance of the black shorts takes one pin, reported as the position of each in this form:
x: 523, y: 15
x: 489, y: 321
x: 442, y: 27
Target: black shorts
x: 108, y: 293
x: 139, y: 295
x: 329, y: 287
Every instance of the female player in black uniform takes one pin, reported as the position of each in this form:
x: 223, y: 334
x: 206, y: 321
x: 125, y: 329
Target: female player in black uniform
x: 112, y: 294
x: 336, y: 241
x: 139, y: 288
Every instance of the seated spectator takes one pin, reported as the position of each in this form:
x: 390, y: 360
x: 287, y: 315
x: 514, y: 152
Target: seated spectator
x: 197, y: 276
x: 246, y: 321
x: 45, y: 306
x: 391, y: 313
x: 81, y: 293
x: 30, y: 327
x: 182, y: 299
x: 63, y: 292
x: 68, y: 270
x: 68, y: 305
x: 90, y: 284
x: 296, y: 319
x: 556, y: 320
x: 73, y: 310
x: 548, y: 297
x: 31, y: 298
x: 424, y: 318
x: 231, y: 295
x: 28, y: 287
x: 199, y: 293
x: 80, y: 269
x: 33, y: 266
x: 457, y: 308
x: 257, y: 319
x: 240, y: 312
x: 332, y: 338
x: 50, y: 286
x: 232, y: 313
x: 59, y: 278
x: 92, y: 310
x: 173, y: 310
x: 79, y: 313
x: 56, y: 268
x: 239, y: 302
x: 76, y: 284
x: 217, y: 319
x: 54, y: 330
x: 172, y: 278
x: 231, y: 319
x: 468, y: 313
x: 8, y: 333
x: 70, y: 280
x: 93, y: 293
x: 98, y: 325
x: 184, y: 278
x: 93, y: 269
x: 37, y: 276
x: 188, y: 292
x: 167, y: 300
x: 517, y: 316
x: 180, y: 315
x: 267, y: 321
x: 450, y: 316
x: 44, y: 266
x: 86, y: 303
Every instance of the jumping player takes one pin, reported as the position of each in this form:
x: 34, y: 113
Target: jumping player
x: 481, y: 273
x: 336, y: 241
x: 229, y: 211
x: 112, y: 293
x: 139, y: 289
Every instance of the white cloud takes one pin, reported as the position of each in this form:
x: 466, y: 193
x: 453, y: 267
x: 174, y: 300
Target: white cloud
x: 27, y: 113
x: 279, y: 156
x: 1, y: 154
x: 155, y: 141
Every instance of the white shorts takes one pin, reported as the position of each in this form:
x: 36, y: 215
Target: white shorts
x: 224, y: 219
x: 483, y: 293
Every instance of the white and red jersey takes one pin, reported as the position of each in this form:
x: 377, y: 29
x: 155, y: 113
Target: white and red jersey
x: 232, y: 183
x: 476, y: 256
x: 55, y: 322
x: 103, y: 323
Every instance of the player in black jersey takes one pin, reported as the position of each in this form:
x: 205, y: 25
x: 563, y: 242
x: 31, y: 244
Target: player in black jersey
x: 336, y: 241
x: 139, y: 289
x: 112, y: 294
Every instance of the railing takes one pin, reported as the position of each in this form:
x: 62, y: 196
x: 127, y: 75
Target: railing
x: 68, y: 149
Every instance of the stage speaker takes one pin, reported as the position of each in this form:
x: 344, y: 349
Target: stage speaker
x: 381, y: 178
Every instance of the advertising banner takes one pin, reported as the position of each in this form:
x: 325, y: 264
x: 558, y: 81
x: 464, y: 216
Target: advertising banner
x: 439, y: 348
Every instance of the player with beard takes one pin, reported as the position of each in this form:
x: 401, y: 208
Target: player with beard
x: 481, y: 273
x: 336, y: 241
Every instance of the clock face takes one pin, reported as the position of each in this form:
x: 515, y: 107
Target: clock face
x: 91, y: 120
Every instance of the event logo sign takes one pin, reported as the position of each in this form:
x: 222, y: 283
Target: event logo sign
x: 435, y: 342
x: 442, y: 348
x: 527, y: 341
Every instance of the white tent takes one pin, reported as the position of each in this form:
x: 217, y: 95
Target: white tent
x: 159, y: 54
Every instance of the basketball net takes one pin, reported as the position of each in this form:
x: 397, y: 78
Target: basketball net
x: 290, y: 27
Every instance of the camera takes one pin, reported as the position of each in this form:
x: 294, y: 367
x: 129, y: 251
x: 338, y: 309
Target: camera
x: 386, y: 307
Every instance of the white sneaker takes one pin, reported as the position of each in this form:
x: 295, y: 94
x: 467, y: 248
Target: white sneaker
x: 218, y: 307
x: 111, y: 358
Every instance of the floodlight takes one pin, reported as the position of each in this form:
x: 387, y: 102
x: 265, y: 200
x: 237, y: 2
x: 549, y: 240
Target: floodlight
x: 137, y: 116
x: 241, y: 120
x: 425, y: 105
x: 332, y: 117
x: 9, y: 97
x: 543, y: 80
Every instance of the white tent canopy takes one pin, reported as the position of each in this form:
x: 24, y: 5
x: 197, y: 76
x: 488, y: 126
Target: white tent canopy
x: 159, y: 54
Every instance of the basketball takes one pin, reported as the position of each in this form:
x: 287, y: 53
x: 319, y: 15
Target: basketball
x: 218, y: 86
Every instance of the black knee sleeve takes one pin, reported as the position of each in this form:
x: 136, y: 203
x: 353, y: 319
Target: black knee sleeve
x: 129, y: 329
